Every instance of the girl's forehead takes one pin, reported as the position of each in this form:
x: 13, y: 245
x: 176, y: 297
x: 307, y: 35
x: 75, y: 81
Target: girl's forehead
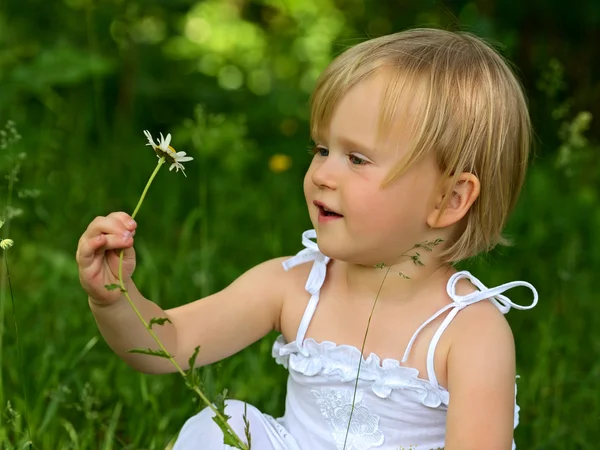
x: 369, y: 118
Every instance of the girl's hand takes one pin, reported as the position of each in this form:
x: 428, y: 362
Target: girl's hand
x: 98, y: 255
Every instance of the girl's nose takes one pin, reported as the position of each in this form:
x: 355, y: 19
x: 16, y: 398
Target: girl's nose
x: 324, y: 175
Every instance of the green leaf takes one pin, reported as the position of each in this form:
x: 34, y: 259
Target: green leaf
x: 112, y: 287
x: 247, y: 426
x: 380, y: 265
x: 158, y: 321
x: 228, y: 437
x: 149, y: 351
x: 192, y: 377
x: 417, y: 259
x: 220, y: 402
x: 428, y: 245
x: 192, y: 360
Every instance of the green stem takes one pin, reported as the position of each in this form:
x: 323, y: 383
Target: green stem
x: 19, y: 351
x: 6, y: 232
x: 362, y: 349
x: 161, y: 161
x: 145, y: 323
x: 162, y: 347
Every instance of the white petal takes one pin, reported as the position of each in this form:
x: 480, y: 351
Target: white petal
x: 179, y: 166
x: 163, y: 146
x: 168, y: 140
x: 150, y: 140
x: 180, y: 156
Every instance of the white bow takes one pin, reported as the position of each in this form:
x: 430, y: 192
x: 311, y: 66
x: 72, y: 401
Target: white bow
x: 310, y: 253
x: 502, y: 302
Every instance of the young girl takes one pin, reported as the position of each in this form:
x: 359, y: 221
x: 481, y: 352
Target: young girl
x: 421, y: 146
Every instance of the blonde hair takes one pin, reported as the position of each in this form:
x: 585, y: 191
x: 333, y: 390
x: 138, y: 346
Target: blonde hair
x: 471, y: 111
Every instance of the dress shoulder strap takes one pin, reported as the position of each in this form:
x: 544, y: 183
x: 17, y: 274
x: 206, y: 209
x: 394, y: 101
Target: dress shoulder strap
x: 460, y: 302
x: 315, y: 280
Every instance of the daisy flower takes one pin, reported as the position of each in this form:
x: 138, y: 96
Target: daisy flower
x: 5, y: 244
x: 164, y: 150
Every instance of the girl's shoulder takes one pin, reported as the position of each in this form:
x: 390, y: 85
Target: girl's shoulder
x: 473, y: 329
x: 480, y: 321
x: 288, y: 280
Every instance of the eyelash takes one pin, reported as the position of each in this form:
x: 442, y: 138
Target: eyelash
x: 316, y: 150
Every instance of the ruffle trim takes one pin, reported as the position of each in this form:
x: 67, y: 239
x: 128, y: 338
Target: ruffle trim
x: 328, y: 358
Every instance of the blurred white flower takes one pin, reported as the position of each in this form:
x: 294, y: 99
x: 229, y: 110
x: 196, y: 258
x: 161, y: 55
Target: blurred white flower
x: 164, y: 150
x: 5, y: 244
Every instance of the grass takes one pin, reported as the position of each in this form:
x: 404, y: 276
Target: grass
x: 197, y: 235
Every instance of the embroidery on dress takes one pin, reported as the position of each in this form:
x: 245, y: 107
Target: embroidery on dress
x: 414, y: 447
x: 336, y: 405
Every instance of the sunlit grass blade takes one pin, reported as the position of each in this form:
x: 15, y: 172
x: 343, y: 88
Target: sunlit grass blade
x: 109, y: 437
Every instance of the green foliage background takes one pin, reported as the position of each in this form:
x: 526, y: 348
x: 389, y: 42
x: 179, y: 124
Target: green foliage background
x: 231, y: 79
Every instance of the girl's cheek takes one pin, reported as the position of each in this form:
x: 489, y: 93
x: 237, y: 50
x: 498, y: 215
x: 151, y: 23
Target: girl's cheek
x: 307, y: 183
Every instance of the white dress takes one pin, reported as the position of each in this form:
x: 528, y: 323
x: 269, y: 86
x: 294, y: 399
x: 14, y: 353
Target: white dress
x: 394, y: 409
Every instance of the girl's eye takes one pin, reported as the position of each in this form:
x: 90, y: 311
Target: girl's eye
x: 356, y: 160
x: 321, y: 151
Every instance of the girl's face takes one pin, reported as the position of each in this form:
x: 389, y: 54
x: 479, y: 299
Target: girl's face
x: 356, y: 219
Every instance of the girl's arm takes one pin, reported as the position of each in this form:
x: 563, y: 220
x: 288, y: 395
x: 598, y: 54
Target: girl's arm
x: 221, y: 324
x: 481, y: 380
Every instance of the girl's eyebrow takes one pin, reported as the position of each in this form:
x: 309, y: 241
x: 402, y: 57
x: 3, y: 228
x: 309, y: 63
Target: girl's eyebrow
x: 353, y: 145
x: 345, y: 142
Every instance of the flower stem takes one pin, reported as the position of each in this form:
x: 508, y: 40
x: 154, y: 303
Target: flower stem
x: 175, y: 364
x: 161, y: 161
x: 19, y: 352
x: 154, y: 336
x: 362, y: 349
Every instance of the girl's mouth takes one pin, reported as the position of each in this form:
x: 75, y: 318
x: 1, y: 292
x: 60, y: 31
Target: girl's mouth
x: 326, y: 214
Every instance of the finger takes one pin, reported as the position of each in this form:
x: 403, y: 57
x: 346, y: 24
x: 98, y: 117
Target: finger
x: 104, y: 225
x: 125, y: 219
x: 88, y: 247
x: 117, y: 242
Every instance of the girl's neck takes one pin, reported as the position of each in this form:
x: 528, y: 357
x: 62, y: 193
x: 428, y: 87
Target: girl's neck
x: 400, y: 281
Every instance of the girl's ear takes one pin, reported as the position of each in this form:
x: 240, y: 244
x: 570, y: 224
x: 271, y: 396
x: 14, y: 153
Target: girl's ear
x: 464, y: 192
